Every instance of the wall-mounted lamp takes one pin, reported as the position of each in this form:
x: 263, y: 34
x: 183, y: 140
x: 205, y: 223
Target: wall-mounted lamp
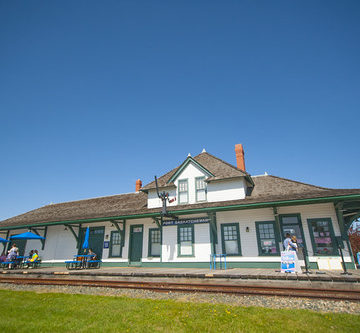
x: 112, y: 224
x: 247, y: 229
x: 106, y: 236
x: 65, y: 228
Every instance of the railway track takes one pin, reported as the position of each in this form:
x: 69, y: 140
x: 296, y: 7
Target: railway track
x: 332, y: 294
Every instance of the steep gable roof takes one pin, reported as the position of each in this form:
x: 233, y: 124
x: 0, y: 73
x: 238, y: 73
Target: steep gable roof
x: 268, y: 189
x: 219, y: 168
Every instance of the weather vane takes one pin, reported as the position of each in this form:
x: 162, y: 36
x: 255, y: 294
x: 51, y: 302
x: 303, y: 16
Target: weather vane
x: 164, y: 197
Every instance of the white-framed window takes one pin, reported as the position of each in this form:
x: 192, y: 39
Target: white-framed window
x: 154, y: 242
x: 231, y: 239
x: 115, y: 244
x: 185, y: 240
x: 183, y: 190
x: 200, y: 189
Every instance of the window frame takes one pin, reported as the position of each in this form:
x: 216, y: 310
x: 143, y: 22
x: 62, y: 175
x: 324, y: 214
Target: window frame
x: 187, y: 192
x: 196, y: 190
x: 180, y: 226
x: 151, y: 230
x: 335, y: 251
x: 223, y: 225
x: 111, y: 244
x: 277, y: 238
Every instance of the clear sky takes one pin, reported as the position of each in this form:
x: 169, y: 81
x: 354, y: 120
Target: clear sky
x: 96, y: 94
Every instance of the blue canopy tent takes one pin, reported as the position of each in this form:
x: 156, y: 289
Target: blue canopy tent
x: 27, y: 235
x: 2, y: 240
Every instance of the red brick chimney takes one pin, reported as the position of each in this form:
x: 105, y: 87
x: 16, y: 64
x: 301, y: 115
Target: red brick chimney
x: 138, y: 185
x: 240, y: 160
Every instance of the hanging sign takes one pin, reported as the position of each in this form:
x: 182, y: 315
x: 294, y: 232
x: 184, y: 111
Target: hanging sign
x: 186, y: 221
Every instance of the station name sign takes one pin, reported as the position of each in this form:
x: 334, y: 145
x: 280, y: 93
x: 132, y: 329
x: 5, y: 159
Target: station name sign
x: 186, y: 221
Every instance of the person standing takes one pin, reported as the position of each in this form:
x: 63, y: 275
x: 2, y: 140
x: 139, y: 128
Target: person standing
x: 289, y: 245
x: 12, y: 254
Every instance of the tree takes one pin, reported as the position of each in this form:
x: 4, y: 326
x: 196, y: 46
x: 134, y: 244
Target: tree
x: 354, y: 238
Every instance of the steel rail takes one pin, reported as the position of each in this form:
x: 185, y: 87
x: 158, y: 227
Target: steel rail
x: 320, y: 293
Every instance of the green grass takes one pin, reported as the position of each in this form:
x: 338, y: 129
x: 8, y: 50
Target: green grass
x: 50, y: 312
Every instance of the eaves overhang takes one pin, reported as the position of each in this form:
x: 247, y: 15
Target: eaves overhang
x: 219, y: 208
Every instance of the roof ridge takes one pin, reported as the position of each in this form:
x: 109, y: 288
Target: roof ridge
x: 302, y: 183
x: 219, y: 159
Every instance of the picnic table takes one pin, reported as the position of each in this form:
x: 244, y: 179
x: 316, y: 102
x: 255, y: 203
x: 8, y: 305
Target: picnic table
x: 83, y: 261
x: 20, y: 262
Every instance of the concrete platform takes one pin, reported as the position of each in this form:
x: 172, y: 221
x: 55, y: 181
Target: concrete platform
x: 233, y: 274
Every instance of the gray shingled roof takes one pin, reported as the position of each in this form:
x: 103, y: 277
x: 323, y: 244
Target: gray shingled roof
x: 219, y: 168
x: 267, y: 189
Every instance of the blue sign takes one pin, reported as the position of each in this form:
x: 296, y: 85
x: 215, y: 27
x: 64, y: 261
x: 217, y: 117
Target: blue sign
x: 106, y: 244
x: 186, y: 221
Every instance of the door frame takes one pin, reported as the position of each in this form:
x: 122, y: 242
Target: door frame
x: 131, y: 241
x: 300, y: 225
x: 82, y: 235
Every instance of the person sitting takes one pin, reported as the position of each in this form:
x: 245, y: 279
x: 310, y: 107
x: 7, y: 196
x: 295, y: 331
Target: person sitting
x: 33, y: 259
x: 92, y: 254
x: 81, y: 259
x: 93, y: 257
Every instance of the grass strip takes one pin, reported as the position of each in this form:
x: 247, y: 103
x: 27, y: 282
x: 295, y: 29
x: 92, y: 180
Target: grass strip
x: 26, y: 311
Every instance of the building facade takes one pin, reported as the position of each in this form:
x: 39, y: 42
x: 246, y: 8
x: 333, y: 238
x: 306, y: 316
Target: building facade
x: 213, y: 207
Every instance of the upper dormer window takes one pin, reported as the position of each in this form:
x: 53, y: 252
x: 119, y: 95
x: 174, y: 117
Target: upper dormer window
x: 200, y: 188
x: 183, y: 191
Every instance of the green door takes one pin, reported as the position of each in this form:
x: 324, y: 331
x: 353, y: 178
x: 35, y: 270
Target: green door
x: 136, y: 241
x: 291, y: 223
x: 96, y: 240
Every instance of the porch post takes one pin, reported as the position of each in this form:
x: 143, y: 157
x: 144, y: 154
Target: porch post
x: 278, y: 227
x: 213, y: 231
x: 121, y: 231
x: 344, y: 236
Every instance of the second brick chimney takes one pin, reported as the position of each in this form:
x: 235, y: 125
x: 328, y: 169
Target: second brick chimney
x: 240, y: 159
x: 138, y: 185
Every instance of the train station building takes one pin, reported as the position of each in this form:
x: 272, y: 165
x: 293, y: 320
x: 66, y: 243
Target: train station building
x: 214, y: 207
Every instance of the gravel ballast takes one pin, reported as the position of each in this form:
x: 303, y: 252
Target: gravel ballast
x: 274, y: 302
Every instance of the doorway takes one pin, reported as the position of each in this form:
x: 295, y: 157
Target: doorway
x: 136, y: 242
x: 291, y: 223
x: 96, y: 240
x: 20, y: 244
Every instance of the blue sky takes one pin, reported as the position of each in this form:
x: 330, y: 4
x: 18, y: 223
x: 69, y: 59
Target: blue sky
x: 96, y: 94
